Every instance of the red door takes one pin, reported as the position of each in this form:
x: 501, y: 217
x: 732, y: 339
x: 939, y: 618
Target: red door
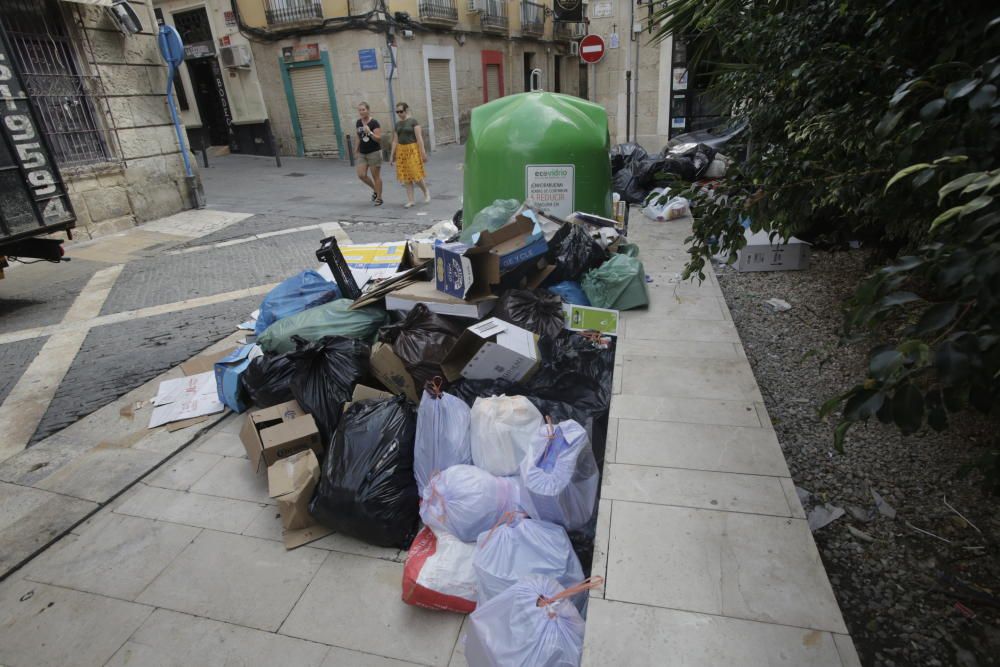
x: 492, y: 75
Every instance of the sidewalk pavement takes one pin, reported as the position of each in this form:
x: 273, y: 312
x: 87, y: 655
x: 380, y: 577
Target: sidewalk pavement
x: 707, y: 556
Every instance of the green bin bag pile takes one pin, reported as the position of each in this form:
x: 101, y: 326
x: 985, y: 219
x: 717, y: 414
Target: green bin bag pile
x: 330, y: 319
x: 619, y: 283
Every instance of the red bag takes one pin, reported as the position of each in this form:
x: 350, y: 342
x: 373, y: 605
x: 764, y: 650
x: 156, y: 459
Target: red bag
x: 438, y: 573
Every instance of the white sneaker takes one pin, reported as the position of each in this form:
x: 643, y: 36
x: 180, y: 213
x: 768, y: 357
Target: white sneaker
x: 427, y: 197
x: 408, y: 204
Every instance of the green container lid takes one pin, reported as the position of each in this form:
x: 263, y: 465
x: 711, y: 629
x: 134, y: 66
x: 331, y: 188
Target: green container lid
x: 549, y: 148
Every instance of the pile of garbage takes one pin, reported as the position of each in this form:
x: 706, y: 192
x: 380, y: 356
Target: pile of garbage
x: 636, y: 174
x: 449, y: 395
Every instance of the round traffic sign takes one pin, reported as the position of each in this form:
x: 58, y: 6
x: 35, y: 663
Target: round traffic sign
x: 592, y: 48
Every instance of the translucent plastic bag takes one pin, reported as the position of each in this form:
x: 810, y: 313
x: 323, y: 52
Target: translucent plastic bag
x: 438, y: 573
x: 442, y: 434
x: 559, y: 476
x: 620, y: 284
x: 330, y: 319
x: 301, y: 291
x: 493, y: 217
x: 502, y: 428
x: 465, y: 501
x: 531, y: 624
x: 519, y: 547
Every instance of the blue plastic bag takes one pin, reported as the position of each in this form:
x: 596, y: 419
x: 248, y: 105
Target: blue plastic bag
x: 301, y: 291
x: 571, y: 292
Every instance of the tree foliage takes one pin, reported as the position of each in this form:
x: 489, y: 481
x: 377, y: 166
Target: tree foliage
x: 876, y: 121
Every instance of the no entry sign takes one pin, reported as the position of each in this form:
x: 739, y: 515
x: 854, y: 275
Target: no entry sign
x: 592, y: 49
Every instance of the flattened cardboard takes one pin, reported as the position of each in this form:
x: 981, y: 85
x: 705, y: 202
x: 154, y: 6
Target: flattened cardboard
x: 278, y: 432
x: 438, y: 302
x: 391, y: 372
x: 204, y: 362
x: 297, y: 538
x: 760, y: 254
x: 492, y: 349
x: 362, y: 392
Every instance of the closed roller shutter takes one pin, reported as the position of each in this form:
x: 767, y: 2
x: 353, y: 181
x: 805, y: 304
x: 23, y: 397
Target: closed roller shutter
x: 492, y: 82
x: 312, y: 100
x: 441, y: 107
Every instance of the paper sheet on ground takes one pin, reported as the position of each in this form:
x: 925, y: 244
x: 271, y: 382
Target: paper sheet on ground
x: 369, y: 261
x: 184, y: 398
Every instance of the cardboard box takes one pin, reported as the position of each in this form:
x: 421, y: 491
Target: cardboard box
x: 291, y: 481
x: 278, y: 432
x: 760, y: 254
x: 438, y: 302
x: 390, y: 371
x: 467, y: 272
x: 493, y: 349
x: 588, y: 318
x: 419, y: 251
x: 227, y: 376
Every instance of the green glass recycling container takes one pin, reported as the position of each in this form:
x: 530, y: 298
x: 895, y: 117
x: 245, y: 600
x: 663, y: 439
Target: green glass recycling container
x: 547, y: 149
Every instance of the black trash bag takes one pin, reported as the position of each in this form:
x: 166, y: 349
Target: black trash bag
x: 622, y: 155
x: 421, y: 340
x: 537, y: 310
x: 325, y: 374
x: 574, y: 252
x: 573, y: 370
x: 626, y: 185
x: 267, y: 380
x: 367, y: 489
x: 690, y: 164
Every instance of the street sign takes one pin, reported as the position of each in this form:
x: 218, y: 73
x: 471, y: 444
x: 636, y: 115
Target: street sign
x: 592, y: 49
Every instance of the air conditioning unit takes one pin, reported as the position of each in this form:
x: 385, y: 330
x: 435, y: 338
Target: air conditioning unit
x: 574, y: 48
x: 236, y: 56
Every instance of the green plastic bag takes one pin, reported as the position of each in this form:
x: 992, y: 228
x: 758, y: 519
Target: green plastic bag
x: 630, y: 249
x: 619, y: 283
x: 330, y: 319
x: 491, y: 218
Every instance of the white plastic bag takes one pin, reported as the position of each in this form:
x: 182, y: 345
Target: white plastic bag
x: 559, y: 476
x: 531, y: 624
x: 442, y: 435
x: 464, y: 501
x: 502, y: 427
x: 438, y: 573
x: 660, y: 207
x: 519, y: 547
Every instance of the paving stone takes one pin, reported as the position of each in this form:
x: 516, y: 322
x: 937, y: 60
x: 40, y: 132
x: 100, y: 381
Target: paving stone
x: 223, y: 443
x: 31, y: 518
x: 172, y: 639
x: 788, y: 486
x: 234, y: 478
x: 183, y: 470
x: 752, y: 451
x: 458, y: 655
x: 755, y: 494
x: 678, y: 349
x: 353, y: 602
x: 117, y: 556
x: 37, y: 296
x: 45, y: 626
x: 611, y: 440
x: 648, y: 328
x: 848, y: 654
x: 740, y: 565
x: 689, y: 410
x: 692, y: 378
x: 641, y: 636
x: 101, y: 473
x: 342, y: 657
x: 686, y: 308
x: 237, y: 579
x: 267, y: 526
x: 602, y: 540
x: 14, y: 360
x: 191, y: 509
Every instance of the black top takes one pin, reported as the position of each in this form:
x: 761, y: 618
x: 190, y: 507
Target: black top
x: 368, y: 144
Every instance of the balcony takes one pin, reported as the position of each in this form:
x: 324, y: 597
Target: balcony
x: 281, y: 12
x: 438, y: 12
x: 569, y: 32
x: 360, y: 7
x: 532, y: 18
x: 493, y: 15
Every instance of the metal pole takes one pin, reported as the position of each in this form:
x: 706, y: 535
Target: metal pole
x: 272, y: 143
x: 350, y: 148
x: 628, y: 105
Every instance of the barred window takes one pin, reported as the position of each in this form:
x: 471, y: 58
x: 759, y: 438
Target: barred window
x: 64, y: 98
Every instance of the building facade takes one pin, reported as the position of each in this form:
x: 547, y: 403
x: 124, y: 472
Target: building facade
x: 98, y: 93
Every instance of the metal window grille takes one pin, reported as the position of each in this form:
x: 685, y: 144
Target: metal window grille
x: 493, y: 15
x: 63, y: 97
x: 532, y: 18
x: 290, y: 11
x: 441, y: 10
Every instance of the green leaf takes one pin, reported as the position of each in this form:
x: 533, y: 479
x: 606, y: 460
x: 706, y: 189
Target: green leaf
x: 888, y: 122
x: 903, y: 173
x: 945, y: 217
x: 932, y: 109
x: 952, y: 364
x: 983, y: 98
x: 957, y: 89
x: 838, y: 435
x: 898, y: 299
x: 952, y: 159
x: 863, y: 404
x: 937, y: 418
x: 908, y: 408
x: 936, y: 317
x: 885, y: 363
x: 957, y: 184
x: 907, y: 263
x: 955, y: 398
x: 976, y: 204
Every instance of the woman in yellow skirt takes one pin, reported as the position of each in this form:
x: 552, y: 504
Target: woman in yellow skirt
x: 408, y: 154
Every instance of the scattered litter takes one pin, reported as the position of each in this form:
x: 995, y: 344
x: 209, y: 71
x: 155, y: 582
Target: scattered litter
x: 860, y: 534
x: 927, y: 532
x: 860, y: 513
x: 884, y: 508
x: 184, y: 398
x: 964, y: 611
x: 962, y: 516
x: 823, y: 515
x: 777, y: 305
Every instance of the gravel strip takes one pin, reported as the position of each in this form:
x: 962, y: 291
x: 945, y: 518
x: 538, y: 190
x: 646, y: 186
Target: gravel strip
x: 908, y: 597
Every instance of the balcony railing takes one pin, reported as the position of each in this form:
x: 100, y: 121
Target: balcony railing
x: 569, y: 32
x: 493, y: 15
x: 278, y: 12
x: 438, y: 12
x: 532, y: 18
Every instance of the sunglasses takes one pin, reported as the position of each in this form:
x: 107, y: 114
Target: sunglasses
x: 400, y: 111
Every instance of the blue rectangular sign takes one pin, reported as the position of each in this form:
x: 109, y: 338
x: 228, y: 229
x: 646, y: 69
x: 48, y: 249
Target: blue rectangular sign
x: 368, y: 59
